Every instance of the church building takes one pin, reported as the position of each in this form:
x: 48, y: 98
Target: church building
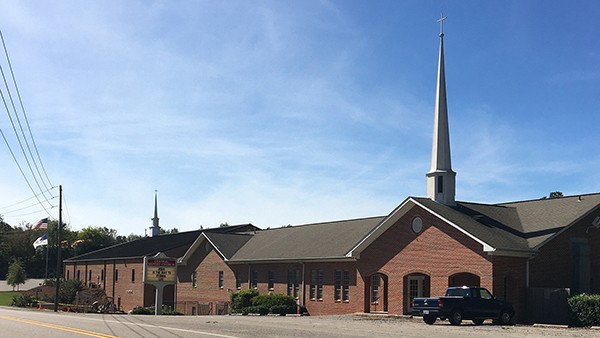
x: 522, y: 251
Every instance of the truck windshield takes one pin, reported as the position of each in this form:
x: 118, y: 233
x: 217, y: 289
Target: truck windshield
x: 459, y: 292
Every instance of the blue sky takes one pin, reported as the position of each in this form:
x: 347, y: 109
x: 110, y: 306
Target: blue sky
x: 292, y: 112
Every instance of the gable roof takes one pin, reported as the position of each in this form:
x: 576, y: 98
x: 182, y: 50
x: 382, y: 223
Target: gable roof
x: 149, y: 246
x: 320, y: 241
x: 515, y: 228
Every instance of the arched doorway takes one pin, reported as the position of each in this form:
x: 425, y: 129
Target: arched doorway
x: 378, y: 293
x: 464, y: 279
x: 415, y: 285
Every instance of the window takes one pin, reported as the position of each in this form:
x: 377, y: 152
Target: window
x: 254, y: 281
x: 271, y: 280
x: 221, y: 279
x: 90, y: 274
x: 375, y: 288
x: 116, y: 275
x: 485, y: 294
x: 238, y: 280
x: 78, y: 274
x: 195, y: 279
x: 313, y: 284
x: 316, y: 284
x: 440, y: 184
x: 342, y: 285
x: 293, y: 285
x: 133, y: 275
x: 320, y: 284
x: 346, y: 286
x: 68, y: 273
x: 337, y: 295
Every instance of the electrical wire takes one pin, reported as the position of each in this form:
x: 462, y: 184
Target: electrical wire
x: 25, y: 115
x: 42, y: 192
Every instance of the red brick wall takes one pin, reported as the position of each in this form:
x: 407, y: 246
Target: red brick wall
x: 510, y: 283
x: 551, y: 268
x: 207, y: 265
x: 439, y: 252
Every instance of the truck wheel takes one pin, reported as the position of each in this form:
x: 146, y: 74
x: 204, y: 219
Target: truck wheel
x: 455, y: 317
x: 429, y: 319
x: 478, y: 321
x: 505, y: 317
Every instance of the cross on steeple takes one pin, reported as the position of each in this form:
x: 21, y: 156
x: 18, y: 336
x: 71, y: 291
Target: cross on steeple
x: 441, y: 21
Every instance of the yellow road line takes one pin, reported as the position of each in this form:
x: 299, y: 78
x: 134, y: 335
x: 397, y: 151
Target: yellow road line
x: 59, y: 327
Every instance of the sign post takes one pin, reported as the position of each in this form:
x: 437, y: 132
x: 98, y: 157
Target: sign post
x: 160, y: 270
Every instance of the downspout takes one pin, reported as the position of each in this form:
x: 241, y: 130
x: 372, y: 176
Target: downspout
x: 113, y: 281
x: 303, y: 286
x: 249, y: 278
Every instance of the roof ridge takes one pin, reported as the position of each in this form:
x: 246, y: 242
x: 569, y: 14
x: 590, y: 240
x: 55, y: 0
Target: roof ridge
x: 550, y: 199
x: 323, y: 223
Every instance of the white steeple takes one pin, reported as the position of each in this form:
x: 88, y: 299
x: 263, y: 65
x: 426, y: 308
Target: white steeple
x: 155, y: 228
x: 441, y: 180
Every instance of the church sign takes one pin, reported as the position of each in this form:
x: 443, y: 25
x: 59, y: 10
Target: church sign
x: 160, y: 271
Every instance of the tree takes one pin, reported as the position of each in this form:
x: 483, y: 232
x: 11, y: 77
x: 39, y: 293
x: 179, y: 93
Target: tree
x: 554, y: 194
x: 168, y: 231
x: 94, y: 238
x: 16, y: 275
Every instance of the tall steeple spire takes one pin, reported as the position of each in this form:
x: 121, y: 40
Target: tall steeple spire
x: 441, y: 180
x: 155, y: 228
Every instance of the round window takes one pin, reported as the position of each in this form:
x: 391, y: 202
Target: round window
x: 417, y: 225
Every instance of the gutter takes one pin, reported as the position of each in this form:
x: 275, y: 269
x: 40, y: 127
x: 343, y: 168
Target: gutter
x: 293, y: 260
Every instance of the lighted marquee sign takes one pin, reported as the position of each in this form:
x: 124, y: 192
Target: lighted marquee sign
x: 160, y: 269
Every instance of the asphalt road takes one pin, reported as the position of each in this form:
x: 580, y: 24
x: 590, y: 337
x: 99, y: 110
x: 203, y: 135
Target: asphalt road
x: 34, y: 323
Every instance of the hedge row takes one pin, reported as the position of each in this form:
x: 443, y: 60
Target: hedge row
x: 585, y: 309
x: 249, y: 301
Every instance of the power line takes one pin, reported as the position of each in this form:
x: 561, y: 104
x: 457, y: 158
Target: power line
x: 26, y: 119
x: 25, y: 200
x: 42, y: 192
x: 16, y: 132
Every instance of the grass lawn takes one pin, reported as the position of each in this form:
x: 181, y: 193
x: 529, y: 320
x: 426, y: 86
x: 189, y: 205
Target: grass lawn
x: 7, y: 296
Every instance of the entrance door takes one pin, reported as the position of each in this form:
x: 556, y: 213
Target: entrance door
x: 415, y: 289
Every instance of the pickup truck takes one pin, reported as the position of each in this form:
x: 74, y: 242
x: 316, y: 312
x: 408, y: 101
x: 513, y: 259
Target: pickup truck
x: 476, y: 304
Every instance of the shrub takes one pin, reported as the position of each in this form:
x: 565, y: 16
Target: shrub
x: 68, y: 290
x: 142, y: 311
x: 282, y: 309
x: 261, y: 310
x: 169, y: 311
x: 276, y: 303
x: 242, y: 299
x: 23, y: 301
x: 585, y: 310
x: 274, y: 299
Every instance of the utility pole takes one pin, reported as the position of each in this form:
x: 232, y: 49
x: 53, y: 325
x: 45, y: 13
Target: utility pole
x: 58, y: 262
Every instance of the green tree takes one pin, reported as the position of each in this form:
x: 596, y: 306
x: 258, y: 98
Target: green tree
x: 93, y: 238
x: 168, y: 231
x: 16, y: 275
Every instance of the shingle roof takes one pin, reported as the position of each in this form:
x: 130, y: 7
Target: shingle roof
x: 330, y: 240
x: 520, y: 225
x: 149, y: 246
x: 228, y: 244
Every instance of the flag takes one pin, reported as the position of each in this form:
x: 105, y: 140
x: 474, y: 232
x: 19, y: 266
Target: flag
x: 41, y: 224
x: 43, y: 240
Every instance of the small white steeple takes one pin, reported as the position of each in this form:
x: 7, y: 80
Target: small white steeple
x: 155, y: 228
x: 441, y: 180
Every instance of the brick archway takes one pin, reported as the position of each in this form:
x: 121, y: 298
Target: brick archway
x: 376, y: 293
x: 415, y: 285
x: 464, y: 278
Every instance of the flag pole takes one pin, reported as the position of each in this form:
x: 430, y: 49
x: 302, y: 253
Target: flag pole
x: 58, y: 262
